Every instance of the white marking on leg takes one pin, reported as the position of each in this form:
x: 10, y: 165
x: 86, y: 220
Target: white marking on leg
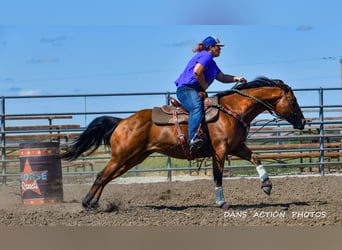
x: 219, y: 196
x: 262, y: 173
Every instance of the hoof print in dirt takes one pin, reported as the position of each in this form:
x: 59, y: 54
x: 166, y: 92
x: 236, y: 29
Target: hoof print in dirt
x: 112, y: 207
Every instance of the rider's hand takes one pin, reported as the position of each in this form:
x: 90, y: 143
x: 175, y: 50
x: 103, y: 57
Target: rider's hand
x: 203, y: 95
x: 240, y: 79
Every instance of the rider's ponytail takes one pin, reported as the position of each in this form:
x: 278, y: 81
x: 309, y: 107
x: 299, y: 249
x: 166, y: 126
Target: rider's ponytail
x: 198, y: 48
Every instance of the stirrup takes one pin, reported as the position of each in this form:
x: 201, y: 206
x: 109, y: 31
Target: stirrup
x: 196, y: 145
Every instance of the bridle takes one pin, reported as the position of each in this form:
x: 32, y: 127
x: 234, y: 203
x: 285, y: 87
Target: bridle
x: 271, y: 108
x: 268, y: 106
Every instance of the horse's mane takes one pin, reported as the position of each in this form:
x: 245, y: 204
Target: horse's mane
x: 257, y: 83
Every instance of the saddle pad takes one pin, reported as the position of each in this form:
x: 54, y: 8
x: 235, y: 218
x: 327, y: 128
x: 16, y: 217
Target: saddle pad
x: 164, y: 115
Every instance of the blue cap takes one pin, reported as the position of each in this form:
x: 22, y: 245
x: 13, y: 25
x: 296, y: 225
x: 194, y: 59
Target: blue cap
x: 212, y: 41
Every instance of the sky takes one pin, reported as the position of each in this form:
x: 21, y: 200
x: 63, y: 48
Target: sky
x: 94, y: 47
x: 119, y: 58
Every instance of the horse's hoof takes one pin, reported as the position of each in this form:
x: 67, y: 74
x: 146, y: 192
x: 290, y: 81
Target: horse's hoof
x: 94, y: 203
x: 90, y: 205
x: 225, y: 206
x: 266, y: 186
x: 85, y: 204
x: 91, y: 209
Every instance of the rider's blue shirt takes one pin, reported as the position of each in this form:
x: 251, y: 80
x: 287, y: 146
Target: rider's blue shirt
x: 211, y: 70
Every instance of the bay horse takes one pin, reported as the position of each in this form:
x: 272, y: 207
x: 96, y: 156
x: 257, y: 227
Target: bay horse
x: 134, y: 138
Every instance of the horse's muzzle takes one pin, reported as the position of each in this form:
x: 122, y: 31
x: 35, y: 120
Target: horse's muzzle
x: 299, y: 124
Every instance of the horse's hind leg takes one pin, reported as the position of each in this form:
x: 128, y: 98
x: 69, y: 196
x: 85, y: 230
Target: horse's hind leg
x: 110, y: 172
x: 102, y: 178
x: 245, y: 153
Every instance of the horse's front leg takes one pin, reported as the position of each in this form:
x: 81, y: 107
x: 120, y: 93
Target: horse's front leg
x: 218, y: 166
x: 245, y: 153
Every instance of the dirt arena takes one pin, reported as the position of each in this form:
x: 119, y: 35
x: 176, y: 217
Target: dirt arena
x: 295, y: 201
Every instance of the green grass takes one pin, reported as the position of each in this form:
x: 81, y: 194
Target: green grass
x: 157, y: 162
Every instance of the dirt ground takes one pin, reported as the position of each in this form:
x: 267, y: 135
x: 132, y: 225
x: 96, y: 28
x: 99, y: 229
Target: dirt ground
x: 295, y: 201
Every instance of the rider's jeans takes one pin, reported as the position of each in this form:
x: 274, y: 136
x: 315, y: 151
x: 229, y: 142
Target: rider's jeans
x: 192, y: 102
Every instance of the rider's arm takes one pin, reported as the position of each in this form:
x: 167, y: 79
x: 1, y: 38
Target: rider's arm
x: 225, y: 78
x: 199, y: 74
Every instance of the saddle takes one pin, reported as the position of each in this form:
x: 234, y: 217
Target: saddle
x: 176, y: 115
x: 165, y: 115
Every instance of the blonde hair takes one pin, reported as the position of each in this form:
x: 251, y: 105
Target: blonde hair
x: 198, y: 48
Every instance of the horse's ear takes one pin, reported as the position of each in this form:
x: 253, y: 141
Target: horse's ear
x: 283, y: 86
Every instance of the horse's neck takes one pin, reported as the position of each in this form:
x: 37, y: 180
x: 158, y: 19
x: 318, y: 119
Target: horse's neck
x: 247, y: 107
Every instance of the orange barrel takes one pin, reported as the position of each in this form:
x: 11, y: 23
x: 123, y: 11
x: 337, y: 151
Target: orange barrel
x: 40, y: 173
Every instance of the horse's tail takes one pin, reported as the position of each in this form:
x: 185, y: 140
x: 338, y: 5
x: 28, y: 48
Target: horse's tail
x: 98, y: 131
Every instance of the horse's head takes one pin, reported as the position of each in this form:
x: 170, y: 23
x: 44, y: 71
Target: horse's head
x: 265, y: 91
x: 287, y: 107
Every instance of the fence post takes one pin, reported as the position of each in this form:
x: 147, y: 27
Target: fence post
x: 279, y: 142
x: 169, y: 172
x: 321, y: 133
x: 3, y: 142
x: 168, y: 161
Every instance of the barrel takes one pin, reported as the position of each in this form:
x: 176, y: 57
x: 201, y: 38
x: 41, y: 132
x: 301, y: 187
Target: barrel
x: 40, y: 173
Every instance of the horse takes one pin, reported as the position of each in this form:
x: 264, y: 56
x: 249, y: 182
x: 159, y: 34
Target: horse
x: 134, y: 138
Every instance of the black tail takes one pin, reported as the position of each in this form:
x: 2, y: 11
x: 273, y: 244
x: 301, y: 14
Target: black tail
x: 98, y: 131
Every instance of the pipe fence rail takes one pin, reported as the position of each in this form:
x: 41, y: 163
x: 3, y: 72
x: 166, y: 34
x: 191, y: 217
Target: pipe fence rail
x: 63, y: 117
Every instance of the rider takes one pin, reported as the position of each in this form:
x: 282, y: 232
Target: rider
x: 199, y: 73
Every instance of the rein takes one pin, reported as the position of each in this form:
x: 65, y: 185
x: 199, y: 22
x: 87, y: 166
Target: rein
x: 232, y: 113
x: 239, y: 118
x: 268, y: 106
x: 266, y: 123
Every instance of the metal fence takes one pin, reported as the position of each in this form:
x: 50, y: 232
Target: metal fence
x: 321, y: 107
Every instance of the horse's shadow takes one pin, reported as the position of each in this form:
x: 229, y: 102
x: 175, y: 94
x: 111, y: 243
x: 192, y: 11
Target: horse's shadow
x: 176, y: 208
x: 283, y: 206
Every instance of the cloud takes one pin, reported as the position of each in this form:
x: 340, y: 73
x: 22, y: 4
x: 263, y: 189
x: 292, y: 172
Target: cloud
x: 222, y: 13
x: 14, y: 89
x: 304, y: 28
x: 54, y: 41
x: 43, y: 60
x: 29, y: 92
x: 185, y: 43
x: 8, y: 79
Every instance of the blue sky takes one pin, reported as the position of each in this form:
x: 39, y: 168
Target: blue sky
x: 87, y: 47
x: 148, y: 58
x: 151, y: 12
